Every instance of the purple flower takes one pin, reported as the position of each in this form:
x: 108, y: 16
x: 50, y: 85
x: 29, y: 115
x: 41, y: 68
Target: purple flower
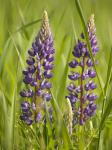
x: 78, y: 89
x: 85, y: 75
x: 71, y: 87
x: 81, y: 94
x: 27, y: 93
x: 30, y: 61
x: 37, y: 74
x: 91, y: 97
x: 92, y: 35
x: 91, y: 73
x: 89, y: 63
x: 25, y: 106
x: 74, y: 76
x: 33, y: 106
x: 73, y: 63
x: 47, y: 96
x: 38, y: 117
x: 48, y: 74
x: 29, y: 121
x: 73, y: 99
x: 90, y: 86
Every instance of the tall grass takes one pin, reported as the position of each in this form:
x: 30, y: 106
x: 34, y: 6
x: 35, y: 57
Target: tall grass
x: 19, y: 24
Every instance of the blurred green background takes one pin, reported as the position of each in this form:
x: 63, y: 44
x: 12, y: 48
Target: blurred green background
x: 19, y: 24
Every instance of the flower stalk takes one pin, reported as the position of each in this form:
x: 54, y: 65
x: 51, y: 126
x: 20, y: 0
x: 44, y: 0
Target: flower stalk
x: 37, y: 75
x: 81, y: 88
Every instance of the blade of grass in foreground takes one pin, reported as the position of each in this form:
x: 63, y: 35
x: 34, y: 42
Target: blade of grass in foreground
x: 59, y: 22
x: 4, y: 122
x: 8, y: 134
x: 27, y: 25
x: 3, y: 56
x: 64, y: 131
x: 79, y: 9
x: 24, y: 26
x: 62, y: 87
x: 18, y: 53
x: 12, y: 120
x: 48, y: 130
x: 109, y: 74
x: 108, y: 108
x: 106, y: 112
x: 23, y: 22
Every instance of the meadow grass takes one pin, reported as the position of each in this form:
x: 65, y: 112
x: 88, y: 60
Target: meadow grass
x: 19, y: 24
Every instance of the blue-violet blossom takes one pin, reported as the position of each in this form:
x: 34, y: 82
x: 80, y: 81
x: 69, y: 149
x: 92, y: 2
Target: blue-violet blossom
x: 37, y: 75
x: 82, y: 84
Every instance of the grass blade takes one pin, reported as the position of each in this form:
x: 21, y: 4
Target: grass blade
x: 18, y: 52
x: 79, y: 9
x: 62, y: 87
x: 64, y: 130
x: 4, y: 53
x: 12, y: 120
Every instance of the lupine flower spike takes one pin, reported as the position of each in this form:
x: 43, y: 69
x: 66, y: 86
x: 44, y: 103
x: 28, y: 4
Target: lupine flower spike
x: 82, y: 84
x: 37, y: 75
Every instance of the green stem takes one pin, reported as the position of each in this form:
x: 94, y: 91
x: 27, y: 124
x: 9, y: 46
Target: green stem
x: 81, y: 96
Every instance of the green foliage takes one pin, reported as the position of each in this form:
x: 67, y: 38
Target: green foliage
x: 19, y: 24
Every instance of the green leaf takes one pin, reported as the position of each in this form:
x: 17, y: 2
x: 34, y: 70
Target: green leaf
x: 4, y: 54
x: 79, y: 9
x: 18, y: 52
x: 64, y: 75
x: 61, y: 124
